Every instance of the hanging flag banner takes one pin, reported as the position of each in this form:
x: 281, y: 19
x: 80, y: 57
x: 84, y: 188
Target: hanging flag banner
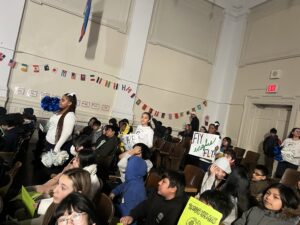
x: 86, y: 13
x: 97, y: 79
x: 205, y: 145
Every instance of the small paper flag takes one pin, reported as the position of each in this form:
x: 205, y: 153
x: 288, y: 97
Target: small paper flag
x: 63, y: 73
x: 123, y: 87
x: 116, y: 85
x: 163, y: 115
x: 36, y: 68
x: 132, y: 96
x: 46, y: 67
x: 92, y: 77
x: 199, y: 107
x: 170, y: 116
x: 12, y: 63
x: 82, y: 77
x: 128, y: 89
x: 2, y: 56
x: 150, y: 110
x: 99, y: 80
x: 176, y: 115
x: 181, y: 114
x: 24, y: 67
x: 139, y: 101
x: 187, y: 112
x: 54, y: 70
x: 204, y: 103
x: 144, y: 107
x: 107, y: 83
x: 156, y: 113
x: 73, y: 76
x: 193, y: 109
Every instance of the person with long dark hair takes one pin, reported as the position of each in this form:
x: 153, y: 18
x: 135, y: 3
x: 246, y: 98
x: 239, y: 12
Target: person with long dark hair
x: 61, y: 124
x: 278, y: 205
x: 144, y: 130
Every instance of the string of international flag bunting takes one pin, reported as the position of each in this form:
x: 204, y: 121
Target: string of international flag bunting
x: 36, y: 68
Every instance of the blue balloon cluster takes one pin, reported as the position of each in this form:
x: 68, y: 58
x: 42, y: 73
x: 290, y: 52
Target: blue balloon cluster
x: 50, y: 104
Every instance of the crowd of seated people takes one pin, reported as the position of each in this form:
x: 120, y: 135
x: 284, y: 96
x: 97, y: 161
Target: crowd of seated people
x: 226, y: 186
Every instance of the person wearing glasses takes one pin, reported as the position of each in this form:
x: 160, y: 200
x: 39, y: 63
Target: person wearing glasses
x: 259, y: 182
x: 75, y: 209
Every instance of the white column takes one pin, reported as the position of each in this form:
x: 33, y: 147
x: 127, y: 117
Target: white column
x: 225, y: 68
x: 11, y: 12
x: 134, y: 56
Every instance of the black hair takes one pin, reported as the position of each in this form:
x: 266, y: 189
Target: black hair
x: 113, y: 128
x: 3, y: 111
x: 87, y: 130
x: 169, y: 129
x: 79, y: 203
x: 72, y: 108
x: 13, y: 119
x: 86, y: 157
x: 113, y: 121
x: 288, y: 197
x: 273, y: 131
x: 264, y: 170
x: 205, y: 130
x: 83, y: 140
x: 177, y: 180
x: 219, y: 201
x: 292, y: 131
x: 228, y: 139
x: 230, y: 152
x: 237, y: 185
x: 91, y: 119
x: 97, y: 123
x: 146, y: 153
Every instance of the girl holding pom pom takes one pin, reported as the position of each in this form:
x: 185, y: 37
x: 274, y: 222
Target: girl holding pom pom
x: 61, y: 124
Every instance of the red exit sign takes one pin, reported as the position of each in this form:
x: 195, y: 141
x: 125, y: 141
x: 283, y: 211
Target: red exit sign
x: 272, y: 88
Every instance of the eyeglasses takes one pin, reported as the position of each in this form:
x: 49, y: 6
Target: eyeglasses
x: 75, y: 217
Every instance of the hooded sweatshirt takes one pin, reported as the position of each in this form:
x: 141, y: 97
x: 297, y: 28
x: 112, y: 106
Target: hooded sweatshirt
x: 133, y: 189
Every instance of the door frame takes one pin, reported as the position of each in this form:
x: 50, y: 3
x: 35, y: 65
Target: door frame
x: 249, y: 107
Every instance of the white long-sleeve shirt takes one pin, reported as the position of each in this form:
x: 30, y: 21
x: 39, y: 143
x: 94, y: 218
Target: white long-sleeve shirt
x: 68, y: 126
x: 145, y: 135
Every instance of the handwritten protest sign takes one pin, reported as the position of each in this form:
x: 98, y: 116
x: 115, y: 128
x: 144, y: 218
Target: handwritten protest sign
x: 205, y: 145
x: 130, y: 140
x: 198, y: 213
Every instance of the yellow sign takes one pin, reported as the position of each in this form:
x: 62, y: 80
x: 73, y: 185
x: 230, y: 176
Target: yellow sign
x: 198, y: 213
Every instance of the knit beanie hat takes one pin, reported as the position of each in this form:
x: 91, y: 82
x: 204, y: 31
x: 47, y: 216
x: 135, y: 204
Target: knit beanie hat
x: 223, y: 164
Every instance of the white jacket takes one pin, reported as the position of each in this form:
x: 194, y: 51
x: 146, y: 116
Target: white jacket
x: 145, y: 135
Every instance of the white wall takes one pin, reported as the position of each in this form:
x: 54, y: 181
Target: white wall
x: 271, y: 42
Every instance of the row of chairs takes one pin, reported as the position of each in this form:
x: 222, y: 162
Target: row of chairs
x: 169, y: 155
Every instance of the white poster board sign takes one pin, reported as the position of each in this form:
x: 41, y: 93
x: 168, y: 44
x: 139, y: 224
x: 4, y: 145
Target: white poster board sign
x: 205, y: 145
x: 130, y: 140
